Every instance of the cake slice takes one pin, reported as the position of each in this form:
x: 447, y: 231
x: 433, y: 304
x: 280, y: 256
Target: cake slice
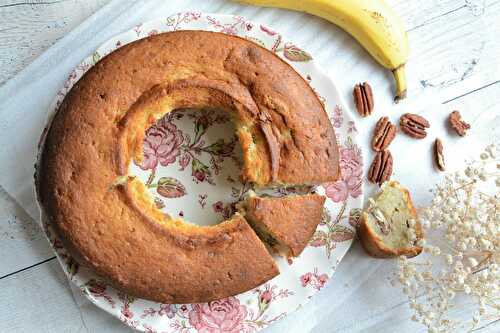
x: 389, y: 226
x: 285, y: 223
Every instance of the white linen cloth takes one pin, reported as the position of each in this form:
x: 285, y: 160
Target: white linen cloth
x: 359, y: 295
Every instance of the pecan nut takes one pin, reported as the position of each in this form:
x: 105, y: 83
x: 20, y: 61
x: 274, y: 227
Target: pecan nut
x: 383, y: 135
x: 363, y: 98
x: 456, y: 122
x: 438, y: 154
x: 381, y: 168
x: 414, y: 125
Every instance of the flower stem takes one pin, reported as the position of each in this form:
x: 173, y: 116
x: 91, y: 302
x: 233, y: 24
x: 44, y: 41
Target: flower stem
x: 339, y: 216
x: 151, y: 177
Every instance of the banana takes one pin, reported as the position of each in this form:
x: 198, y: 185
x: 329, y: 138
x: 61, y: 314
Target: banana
x: 371, y: 22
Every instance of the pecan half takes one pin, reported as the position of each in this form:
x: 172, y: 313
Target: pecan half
x: 363, y: 98
x: 381, y: 168
x: 414, y: 125
x: 382, y: 223
x: 383, y: 135
x: 456, y: 122
x: 438, y: 154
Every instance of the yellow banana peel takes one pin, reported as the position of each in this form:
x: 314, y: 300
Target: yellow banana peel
x: 371, y: 22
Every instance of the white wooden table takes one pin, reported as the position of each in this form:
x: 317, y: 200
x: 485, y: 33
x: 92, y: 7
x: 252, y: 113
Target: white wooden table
x: 448, y: 37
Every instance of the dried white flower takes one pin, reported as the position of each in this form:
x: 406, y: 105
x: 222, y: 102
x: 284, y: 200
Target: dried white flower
x: 466, y: 219
x: 473, y: 262
x: 467, y: 289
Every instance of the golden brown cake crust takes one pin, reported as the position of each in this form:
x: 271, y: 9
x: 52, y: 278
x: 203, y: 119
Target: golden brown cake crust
x: 291, y: 220
x: 99, y: 128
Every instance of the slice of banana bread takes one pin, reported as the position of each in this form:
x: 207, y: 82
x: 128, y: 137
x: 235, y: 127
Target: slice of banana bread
x: 389, y: 226
x: 286, y: 224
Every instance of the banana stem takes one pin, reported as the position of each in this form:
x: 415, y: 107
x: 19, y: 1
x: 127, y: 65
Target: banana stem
x: 400, y: 77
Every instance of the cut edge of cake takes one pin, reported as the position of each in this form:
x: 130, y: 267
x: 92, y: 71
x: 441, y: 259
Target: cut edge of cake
x: 281, y: 222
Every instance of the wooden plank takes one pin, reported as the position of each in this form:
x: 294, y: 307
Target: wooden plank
x: 456, y: 52
x: 36, y: 300
x: 452, y: 51
x: 21, y: 241
x: 27, y: 28
x: 416, y: 14
x: 39, y: 300
x: 18, y: 3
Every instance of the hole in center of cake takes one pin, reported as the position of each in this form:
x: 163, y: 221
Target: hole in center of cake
x: 191, y: 165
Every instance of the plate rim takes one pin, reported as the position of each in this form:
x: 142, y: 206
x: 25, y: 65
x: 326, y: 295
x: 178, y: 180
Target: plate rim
x: 106, y: 45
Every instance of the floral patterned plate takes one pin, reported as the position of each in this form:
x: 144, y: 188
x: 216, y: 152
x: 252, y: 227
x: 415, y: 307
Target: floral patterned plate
x: 191, y: 167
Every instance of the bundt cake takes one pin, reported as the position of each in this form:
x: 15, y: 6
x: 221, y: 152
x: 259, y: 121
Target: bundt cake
x: 107, y: 219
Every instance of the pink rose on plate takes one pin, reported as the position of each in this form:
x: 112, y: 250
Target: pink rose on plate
x: 222, y: 316
x: 167, y: 309
x: 218, y: 207
x: 161, y: 144
x: 351, y: 167
x: 337, y: 117
x: 183, y: 309
x: 200, y: 171
x: 337, y: 191
x: 126, y: 312
x: 314, y: 279
x: 322, y: 279
x: 306, y: 279
x: 266, y: 297
x: 184, y: 161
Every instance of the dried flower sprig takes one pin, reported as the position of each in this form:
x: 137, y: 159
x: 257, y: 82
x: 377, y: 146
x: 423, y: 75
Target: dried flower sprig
x: 461, y: 261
